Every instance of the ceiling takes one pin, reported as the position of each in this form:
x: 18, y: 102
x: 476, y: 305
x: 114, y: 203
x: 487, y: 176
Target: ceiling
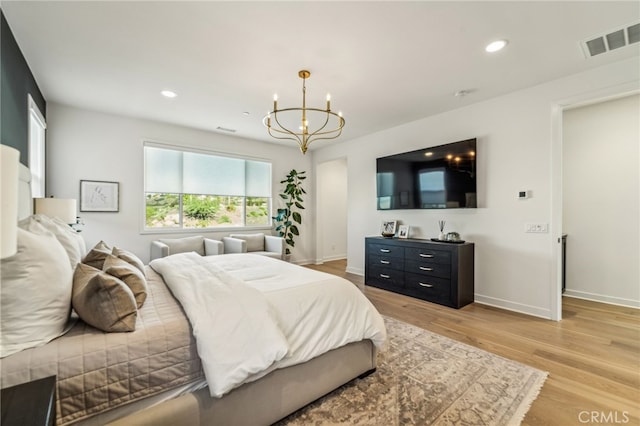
x: 384, y: 63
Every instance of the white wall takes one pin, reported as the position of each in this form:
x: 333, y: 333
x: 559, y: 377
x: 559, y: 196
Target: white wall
x: 601, y: 209
x: 331, y: 210
x: 87, y: 145
x: 513, y: 270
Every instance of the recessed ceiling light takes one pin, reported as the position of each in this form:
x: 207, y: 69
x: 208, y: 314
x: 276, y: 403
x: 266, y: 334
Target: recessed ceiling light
x: 246, y: 113
x: 428, y: 154
x: 495, y: 46
x: 168, y: 94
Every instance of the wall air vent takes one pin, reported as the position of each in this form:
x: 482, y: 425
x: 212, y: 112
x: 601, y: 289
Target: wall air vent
x: 611, y: 40
x: 225, y: 129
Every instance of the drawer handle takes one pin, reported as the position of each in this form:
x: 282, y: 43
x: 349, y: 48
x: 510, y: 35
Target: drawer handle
x: 385, y: 276
x: 385, y: 262
x: 424, y: 268
x: 426, y: 255
x: 425, y: 285
x: 385, y: 250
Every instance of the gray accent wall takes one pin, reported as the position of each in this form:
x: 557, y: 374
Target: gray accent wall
x: 16, y: 82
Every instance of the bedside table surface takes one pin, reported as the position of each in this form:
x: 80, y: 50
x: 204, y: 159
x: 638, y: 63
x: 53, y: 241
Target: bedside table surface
x: 31, y: 403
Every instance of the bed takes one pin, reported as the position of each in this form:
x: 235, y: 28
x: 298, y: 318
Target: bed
x: 160, y: 372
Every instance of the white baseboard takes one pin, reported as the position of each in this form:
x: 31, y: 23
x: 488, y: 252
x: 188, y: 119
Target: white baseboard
x: 334, y: 257
x: 513, y: 306
x: 355, y: 271
x: 629, y: 303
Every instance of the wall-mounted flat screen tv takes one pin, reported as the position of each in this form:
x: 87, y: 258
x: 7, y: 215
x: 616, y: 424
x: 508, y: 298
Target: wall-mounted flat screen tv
x: 438, y: 177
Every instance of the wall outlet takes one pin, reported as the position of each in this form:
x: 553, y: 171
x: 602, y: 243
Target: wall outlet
x: 536, y: 228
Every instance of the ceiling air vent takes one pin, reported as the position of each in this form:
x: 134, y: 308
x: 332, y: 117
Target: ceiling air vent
x: 225, y: 129
x: 612, y: 40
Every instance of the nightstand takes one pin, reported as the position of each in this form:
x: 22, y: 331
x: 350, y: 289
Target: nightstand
x: 31, y: 403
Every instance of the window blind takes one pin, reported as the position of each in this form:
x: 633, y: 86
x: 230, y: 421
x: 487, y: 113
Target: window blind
x: 186, y: 172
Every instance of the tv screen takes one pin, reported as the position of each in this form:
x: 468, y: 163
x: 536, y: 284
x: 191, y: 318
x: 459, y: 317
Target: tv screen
x: 438, y: 177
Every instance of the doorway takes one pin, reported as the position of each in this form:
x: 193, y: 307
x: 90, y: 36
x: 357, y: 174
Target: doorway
x: 331, y: 208
x: 601, y: 200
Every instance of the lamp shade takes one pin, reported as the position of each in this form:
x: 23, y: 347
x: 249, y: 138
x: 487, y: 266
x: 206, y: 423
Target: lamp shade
x: 9, y: 159
x: 62, y: 208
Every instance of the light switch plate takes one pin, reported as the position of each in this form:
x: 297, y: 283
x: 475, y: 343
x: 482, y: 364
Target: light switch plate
x: 536, y: 228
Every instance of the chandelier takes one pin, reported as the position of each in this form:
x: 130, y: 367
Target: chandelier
x: 326, y: 124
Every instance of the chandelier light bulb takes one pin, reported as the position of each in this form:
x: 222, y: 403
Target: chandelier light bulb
x: 495, y: 46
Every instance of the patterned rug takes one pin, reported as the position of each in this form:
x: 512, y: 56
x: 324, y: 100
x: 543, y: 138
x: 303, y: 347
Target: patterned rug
x: 427, y: 379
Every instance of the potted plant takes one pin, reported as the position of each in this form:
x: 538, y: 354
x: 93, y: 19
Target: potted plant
x: 288, y: 218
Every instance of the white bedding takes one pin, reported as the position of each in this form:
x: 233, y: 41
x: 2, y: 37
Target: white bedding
x: 295, y: 315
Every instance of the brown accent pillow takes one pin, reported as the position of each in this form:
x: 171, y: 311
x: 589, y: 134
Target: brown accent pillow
x: 128, y: 273
x: 129, y: 257
x: 102, y: 300
x: 97, y: 255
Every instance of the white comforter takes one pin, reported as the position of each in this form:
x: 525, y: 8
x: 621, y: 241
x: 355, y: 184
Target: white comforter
x: 252, y: 314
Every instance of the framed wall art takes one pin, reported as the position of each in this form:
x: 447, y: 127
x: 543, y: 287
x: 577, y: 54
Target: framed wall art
x: 98, y: 196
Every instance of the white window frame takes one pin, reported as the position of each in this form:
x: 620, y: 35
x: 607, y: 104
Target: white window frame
x: 37, y: 149
x: 222, y: 229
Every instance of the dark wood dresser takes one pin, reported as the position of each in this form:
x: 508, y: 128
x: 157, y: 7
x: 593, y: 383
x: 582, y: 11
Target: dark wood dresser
x: 438, y: 272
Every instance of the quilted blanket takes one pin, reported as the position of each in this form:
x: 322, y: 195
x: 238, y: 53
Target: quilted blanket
x: 98, y: 372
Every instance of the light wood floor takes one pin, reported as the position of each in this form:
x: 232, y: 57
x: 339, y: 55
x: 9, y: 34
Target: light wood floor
x: 592, y: 355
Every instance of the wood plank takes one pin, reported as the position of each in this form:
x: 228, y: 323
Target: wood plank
x: 592, y: 355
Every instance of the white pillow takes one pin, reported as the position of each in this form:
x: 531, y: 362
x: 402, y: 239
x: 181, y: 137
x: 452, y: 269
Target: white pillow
x: 35, y: 294
x: 185, y: 245
x: 63, y: 233
x: 255, y: 242
x: 77, y: 236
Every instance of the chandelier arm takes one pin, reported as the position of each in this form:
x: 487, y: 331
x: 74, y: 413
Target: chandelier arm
x: 325, y: 138
x: 326, y: 121
x: 283, y: 129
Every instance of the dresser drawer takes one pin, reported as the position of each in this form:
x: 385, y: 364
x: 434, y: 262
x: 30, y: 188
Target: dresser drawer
x: 429, y: 255
x: 442, y: 270
x: 428, y: 288
x: 384, y: 277
x: 386, y: 250
x: 387, y: 261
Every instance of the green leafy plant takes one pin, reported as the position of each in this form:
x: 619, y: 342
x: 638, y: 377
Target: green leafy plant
x: 202, y: 208
x: 287, y: 217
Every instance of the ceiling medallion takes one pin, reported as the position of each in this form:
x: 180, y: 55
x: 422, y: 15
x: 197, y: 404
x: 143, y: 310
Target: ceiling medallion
x: 326, y: 124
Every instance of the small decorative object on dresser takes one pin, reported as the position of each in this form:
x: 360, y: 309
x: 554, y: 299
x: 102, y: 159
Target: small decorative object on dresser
x: 442, y: 235
x: 403, y: 231
x: 438, y: 272
x: 389, y: 228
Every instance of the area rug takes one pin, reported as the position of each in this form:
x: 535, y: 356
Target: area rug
x: 427, y: 379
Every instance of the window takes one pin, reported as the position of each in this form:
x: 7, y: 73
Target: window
x: 433, y: 193
x: 37, y: 126
x: 187, y: 190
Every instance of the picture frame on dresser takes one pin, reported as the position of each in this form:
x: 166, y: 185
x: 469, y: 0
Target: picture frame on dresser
x: 403, y: 231
x: 388, y: 228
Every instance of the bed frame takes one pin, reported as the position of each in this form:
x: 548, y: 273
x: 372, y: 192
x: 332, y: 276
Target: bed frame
x: 261, y: 402
x: 268, y: 399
